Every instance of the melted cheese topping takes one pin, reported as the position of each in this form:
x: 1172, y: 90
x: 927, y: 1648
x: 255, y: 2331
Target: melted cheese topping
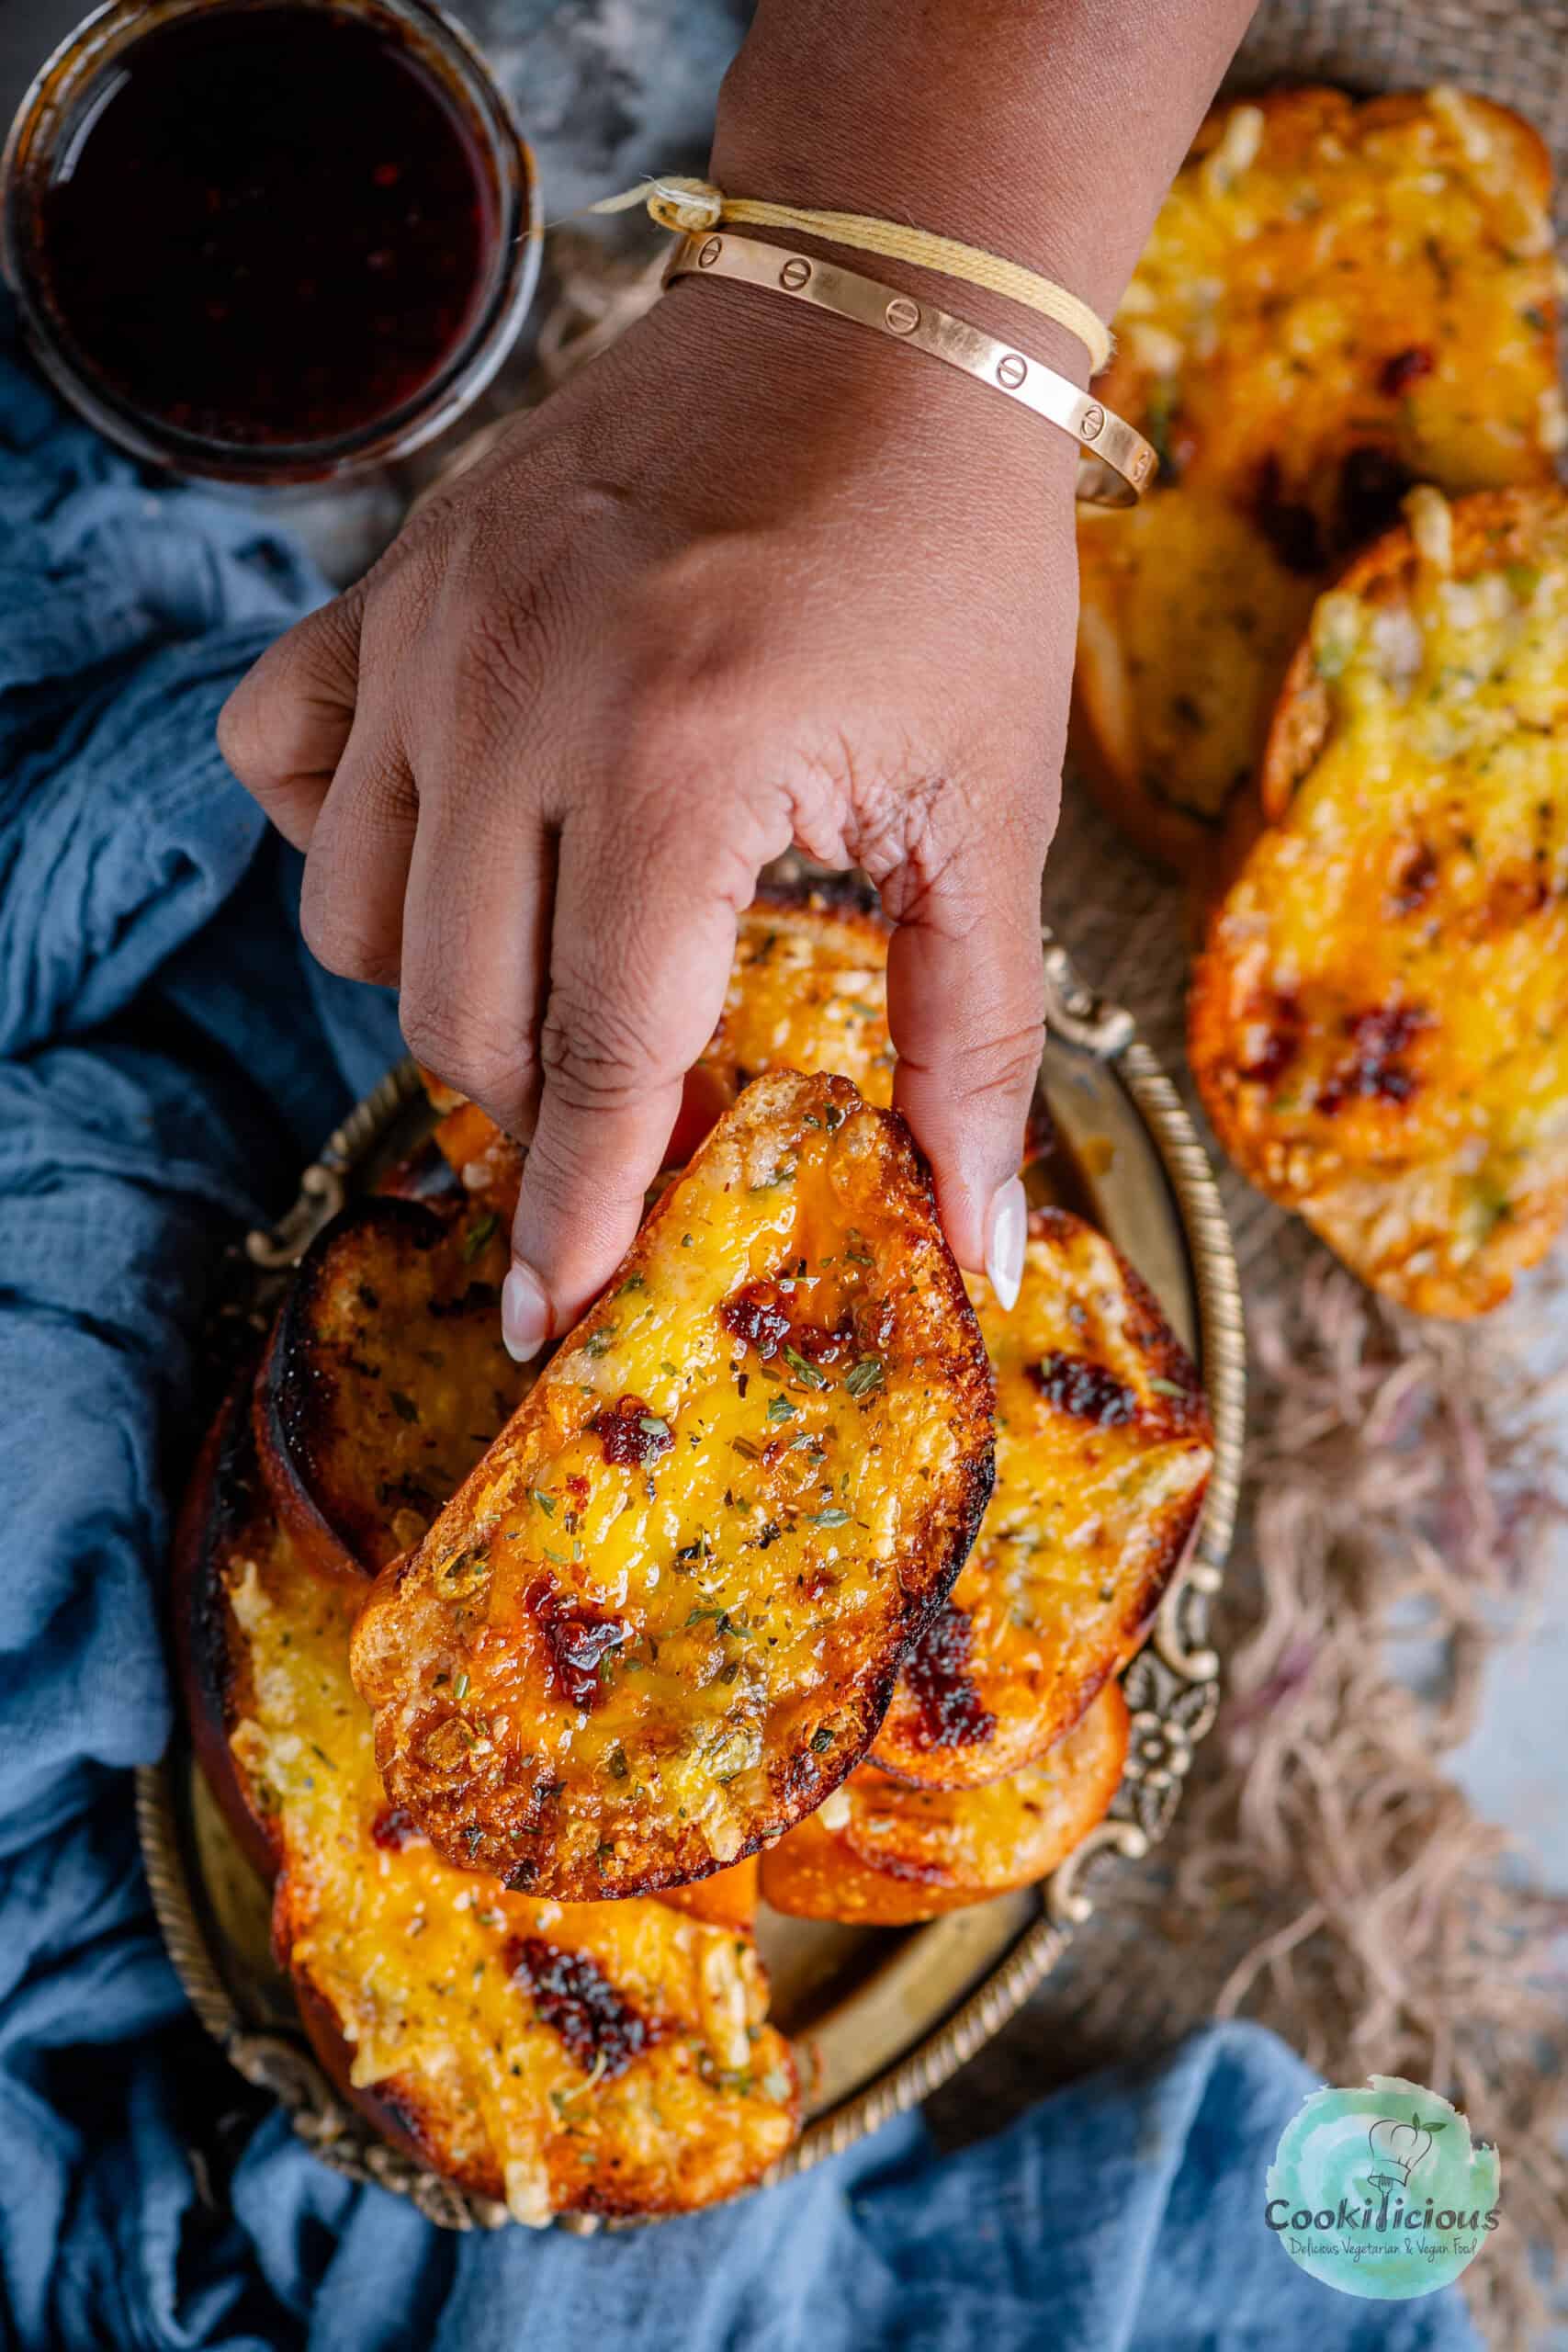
x: 808, y: 991
x: 637, y: 1652
x: 1103, y: 1457
x: 418, y: 1962
x: 1325, y: 281
x: 1389, y: 975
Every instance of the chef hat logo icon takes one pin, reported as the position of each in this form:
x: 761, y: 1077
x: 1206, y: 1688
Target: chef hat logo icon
x: 1401, y: 2146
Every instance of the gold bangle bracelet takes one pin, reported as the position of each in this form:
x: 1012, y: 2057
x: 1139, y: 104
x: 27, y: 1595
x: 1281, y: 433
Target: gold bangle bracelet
x: 1117, y: 462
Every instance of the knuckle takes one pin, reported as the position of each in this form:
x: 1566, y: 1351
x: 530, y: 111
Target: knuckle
x: 492, y: 1063
x: 595, y: 1053
x: 341, y: 942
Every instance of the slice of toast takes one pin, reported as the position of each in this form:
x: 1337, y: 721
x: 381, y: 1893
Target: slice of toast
x: 900, y: 1854
x: 1103, y: 1451
x: 611, y: 2057
x: 807, y: 991
x: 1379, y: 1019
x: 663, y: 1617
x: 386, y: 1377
x: 1339, y: 297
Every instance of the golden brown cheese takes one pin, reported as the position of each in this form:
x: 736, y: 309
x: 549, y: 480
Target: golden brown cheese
x: 808, y: 991
x: 663, y: 1618
x: 1379, y: 1023
x: 896, y: 1854
x: 1103, y: 1451
x: 1339, y: 298
x: 611, y: 2057
x: 386, y: 1378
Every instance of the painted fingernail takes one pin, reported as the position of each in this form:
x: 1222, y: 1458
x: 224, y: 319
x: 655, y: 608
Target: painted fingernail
x: 1007, y: 1230
x: 525, y: 1313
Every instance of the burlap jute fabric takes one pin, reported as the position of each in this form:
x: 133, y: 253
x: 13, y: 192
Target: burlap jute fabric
x: 1325, y: 1874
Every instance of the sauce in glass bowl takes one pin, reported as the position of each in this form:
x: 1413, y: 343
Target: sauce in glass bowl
x: 265, y: 238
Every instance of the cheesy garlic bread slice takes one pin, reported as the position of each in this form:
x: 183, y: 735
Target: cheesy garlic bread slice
x: 609, y: 2058
x: 1103, y: 1451
x: 1379, y: 1019
x: 663, y: 1618
x: 1340, y: 297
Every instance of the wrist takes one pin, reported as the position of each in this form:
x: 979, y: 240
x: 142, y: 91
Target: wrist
x: 844, y: 401
x: 1047, y: 130
x: 749, y: 159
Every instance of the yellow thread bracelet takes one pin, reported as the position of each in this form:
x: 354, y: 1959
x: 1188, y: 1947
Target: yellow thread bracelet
x: 689, y: 207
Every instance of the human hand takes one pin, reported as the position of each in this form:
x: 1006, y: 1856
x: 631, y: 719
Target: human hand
x: 753, y: 578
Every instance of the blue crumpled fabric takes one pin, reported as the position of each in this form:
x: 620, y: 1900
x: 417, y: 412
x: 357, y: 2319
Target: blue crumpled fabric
x: 168, y: 1056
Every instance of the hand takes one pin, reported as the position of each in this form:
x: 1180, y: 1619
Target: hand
x: 753, y: 578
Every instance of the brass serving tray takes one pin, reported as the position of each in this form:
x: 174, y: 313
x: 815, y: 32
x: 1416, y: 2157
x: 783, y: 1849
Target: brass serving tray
x: 878, y: 2017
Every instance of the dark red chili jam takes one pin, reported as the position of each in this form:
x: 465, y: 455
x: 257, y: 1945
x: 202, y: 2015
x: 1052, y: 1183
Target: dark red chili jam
x: 272, y: 230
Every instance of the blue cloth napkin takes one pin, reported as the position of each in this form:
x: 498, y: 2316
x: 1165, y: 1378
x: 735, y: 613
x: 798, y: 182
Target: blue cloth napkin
x: 168, y: 1056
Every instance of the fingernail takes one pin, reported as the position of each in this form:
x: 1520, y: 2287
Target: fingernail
x: 525, y: 1313
x: 1007, y: 1230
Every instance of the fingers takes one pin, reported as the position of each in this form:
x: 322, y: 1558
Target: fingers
x: 356, y: 873
x: 641, y: 950
x: 966, y: 1006
x: 284, y: 729
x: 475, y: 928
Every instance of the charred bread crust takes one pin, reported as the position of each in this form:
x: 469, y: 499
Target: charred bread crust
x: 896, y: 1855
x: 680, y: 1742
x: 223, y: 1509
x: 1104, y: 1450
x: 1421, y: 346
x: 384, y: 1378
x: 1374, y: 1019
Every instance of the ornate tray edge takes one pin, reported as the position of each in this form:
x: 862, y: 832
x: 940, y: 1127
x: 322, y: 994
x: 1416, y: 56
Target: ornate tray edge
x: 1172, y: 1685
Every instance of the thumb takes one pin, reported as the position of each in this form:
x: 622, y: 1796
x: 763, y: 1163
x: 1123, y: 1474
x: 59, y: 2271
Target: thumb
x: 966, y: 1009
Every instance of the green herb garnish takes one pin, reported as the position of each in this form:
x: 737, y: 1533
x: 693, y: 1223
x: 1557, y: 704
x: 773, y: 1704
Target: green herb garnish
x: 476, y: 1235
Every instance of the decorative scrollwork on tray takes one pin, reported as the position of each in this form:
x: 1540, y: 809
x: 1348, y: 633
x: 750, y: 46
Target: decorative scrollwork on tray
x: 1170, y: 1714
x: 1075, y: 1013
x: 322, y: 1195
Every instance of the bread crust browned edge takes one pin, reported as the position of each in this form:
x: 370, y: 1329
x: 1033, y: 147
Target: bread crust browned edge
x: 847, y: 898
x: 218, y: 1502
x: 1169, y: 1360
x: 977, y: 1398
x: 1488, y: 526
x: 283, y: 1403
x: 903, y: 1903
x: 1209, y: 853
